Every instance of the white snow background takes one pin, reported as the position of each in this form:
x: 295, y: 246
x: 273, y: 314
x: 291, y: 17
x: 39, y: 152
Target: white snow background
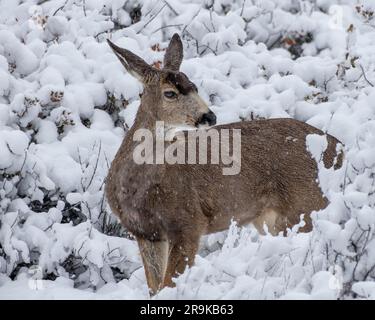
x: 66, y: 103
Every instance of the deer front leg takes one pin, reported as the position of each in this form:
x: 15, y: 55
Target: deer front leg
x: 154, y: 256
x: 182, y: 254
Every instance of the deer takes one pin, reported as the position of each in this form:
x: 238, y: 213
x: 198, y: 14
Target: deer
x: 169, y: 207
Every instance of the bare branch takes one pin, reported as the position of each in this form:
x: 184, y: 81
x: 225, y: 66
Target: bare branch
x: 152, y: 18
x: 171, y: 8
x: 60, y: 8
x: 365, y: 77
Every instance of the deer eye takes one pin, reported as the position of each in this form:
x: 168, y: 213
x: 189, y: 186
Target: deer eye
x: 170, y: 94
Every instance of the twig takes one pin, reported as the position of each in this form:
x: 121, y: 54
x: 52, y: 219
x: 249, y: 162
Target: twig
x: 364, y: 75
x: 368, y: 273
x: 100, y: 33
x: 171, y: 8
x: 168, y: 26
x: 62, y: 7
x: 84, y: 7
x: 242, y: 8
x: 192, y: 19
x: 212, y: 23
x: 278, y: 39
x: 152, y: 18
x: 96, y: 165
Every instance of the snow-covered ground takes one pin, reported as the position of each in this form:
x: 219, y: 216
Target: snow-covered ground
x: 66, y: 103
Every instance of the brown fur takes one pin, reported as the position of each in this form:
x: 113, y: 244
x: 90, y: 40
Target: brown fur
x: 169, y: 207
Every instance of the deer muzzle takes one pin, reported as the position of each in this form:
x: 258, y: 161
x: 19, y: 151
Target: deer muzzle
x: 207, y: 118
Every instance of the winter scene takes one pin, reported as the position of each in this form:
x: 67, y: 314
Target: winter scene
x: 298, y: 76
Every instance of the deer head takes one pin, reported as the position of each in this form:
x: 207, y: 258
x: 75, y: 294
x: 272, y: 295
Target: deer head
x: 168, y: 94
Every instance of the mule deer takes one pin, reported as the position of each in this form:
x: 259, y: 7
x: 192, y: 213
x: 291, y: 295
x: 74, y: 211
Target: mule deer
x: 168, y: 207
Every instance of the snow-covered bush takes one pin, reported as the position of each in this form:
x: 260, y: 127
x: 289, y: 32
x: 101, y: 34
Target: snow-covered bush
x: 66, y: 104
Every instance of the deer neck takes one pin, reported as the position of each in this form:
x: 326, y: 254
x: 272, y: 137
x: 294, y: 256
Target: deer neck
x: 147, y: 113
x: 146, y: 119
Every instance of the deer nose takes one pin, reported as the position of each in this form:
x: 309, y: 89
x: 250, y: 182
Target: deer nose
x: 208, y: 118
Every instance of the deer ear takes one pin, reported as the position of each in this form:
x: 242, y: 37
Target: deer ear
x: 135, y: 65
x: 174, y: 54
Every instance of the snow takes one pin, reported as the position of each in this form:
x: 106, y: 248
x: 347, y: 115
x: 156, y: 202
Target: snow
x: 66, y: 103
x: 18, y: 53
